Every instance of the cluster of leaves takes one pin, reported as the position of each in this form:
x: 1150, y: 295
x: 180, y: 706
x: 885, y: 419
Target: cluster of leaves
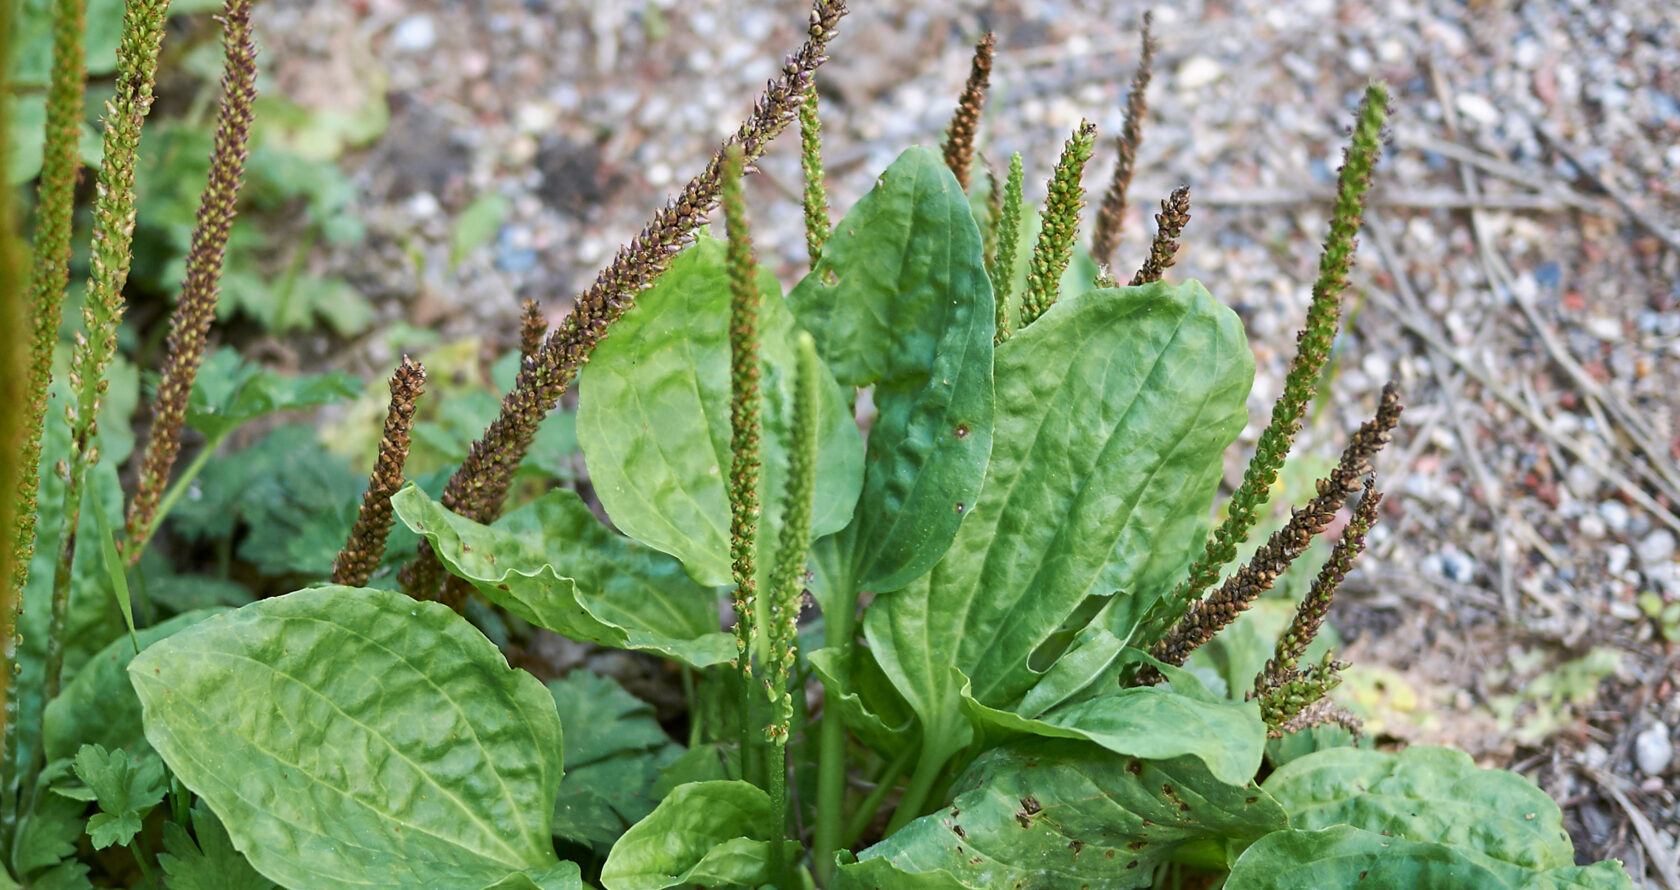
x: 1010, y: 566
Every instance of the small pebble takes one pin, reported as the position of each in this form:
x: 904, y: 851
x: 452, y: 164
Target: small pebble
x: 1458, y: 567
x: 1616, y: 558
x: 1477, y: 109
x: 1615, y: 515
x: 1653, y: 750
x: 1591, y: 526
x: 416, y: 33
x: 1656, y: 547
x: 1198, y: 72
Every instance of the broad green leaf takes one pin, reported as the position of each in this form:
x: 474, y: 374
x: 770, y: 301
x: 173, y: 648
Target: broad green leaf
x: 208, y: 863
x: 552, y: 563
x: 229, y: 392
x: 1151, y: 723
x: 350, y: 738
x: 99, y: 706
x: 653, y: 419
x: 47, y: 834
x: 900, y: 300
x: 1113, y: 412
x: 1065, y: 814
x: 612, y: 767
x: 869, y: 705
x: 1428, y: 795
x: 1344, y: 856
x: 710, y: 834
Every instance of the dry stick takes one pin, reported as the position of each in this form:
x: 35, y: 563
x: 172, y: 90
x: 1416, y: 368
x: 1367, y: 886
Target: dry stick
x: 479, y: 487
x: 1634, y: 214
x: 965, y: 122
x: 1667, y: 869
x: 1491, y: 493
x: 1444, y: 350
x: 195, y: 309
x: 1111, y: 217
x: 1169, y: 224
x: 366, y: 544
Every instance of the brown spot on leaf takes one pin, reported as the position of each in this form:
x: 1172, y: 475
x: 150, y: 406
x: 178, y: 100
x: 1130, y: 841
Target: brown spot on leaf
x: 1031, y: 805
x: 962, y: 431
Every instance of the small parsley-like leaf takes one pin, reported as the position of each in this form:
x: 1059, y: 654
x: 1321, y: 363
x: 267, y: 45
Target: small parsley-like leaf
x: 211, y: 862
x: 125, y: 792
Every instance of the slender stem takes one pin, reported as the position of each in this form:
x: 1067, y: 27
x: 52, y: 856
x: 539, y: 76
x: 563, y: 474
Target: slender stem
x: 928, y: 770
x: 173, y: 494
x: 777, y: 769
x: 865, y: 813
x: 839, y: 629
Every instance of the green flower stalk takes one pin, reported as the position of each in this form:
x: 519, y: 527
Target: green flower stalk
x: 1111, y: 217
x: 532, y: 326
x: 1002, y: 267
x: 113, y: 236
x: 366, y: 544
x: 1060, y: 225
x: 745, y: 424
x: 787, y: 587
x: 61, y: 162
x: 19, y: 443
x: 965, y: 122
x: 1169, y: 224
x: 479, y: 487
x: 817, y: 226
x: 196, y: 306
x: 1312, y: 351
x: 1205, y: 617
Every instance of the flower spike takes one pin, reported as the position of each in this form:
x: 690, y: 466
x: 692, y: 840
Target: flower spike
x: 479, y: 487
x: 1002, y: 267
x: 1111, y: 219
x: 965, y: 122
x: 366, y: 543
x: 1312, y: 351
x: 1060, y: 224
x: 1169, y: 224
x: 196, y: 306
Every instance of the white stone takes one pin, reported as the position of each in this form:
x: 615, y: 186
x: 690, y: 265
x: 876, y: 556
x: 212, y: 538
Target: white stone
x: 1616, y: 558
x: 1476, y: 108
x: 1591, y: 526
x: 1198, y: 72
x: 416, y: 33
x: 1615, y: 515
x: 1657, y: 547
x: 1653, y: 750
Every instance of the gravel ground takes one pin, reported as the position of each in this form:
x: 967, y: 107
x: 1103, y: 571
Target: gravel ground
x: 1519, y: 275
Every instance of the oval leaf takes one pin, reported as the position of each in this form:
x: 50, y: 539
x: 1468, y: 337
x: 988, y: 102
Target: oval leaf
x: 1150, y: 723
x: 1114, y: 410
x: 900, y: 300
x: 552, y: 563
x: 1429, y: 795
x: 1066, y: 814
x: 653, y: 419
x: 710, y: 834
x: 1344, y: 856
x: 353, y: 738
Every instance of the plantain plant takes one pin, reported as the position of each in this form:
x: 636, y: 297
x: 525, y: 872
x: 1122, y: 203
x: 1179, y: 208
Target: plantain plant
x: 990, y: 467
